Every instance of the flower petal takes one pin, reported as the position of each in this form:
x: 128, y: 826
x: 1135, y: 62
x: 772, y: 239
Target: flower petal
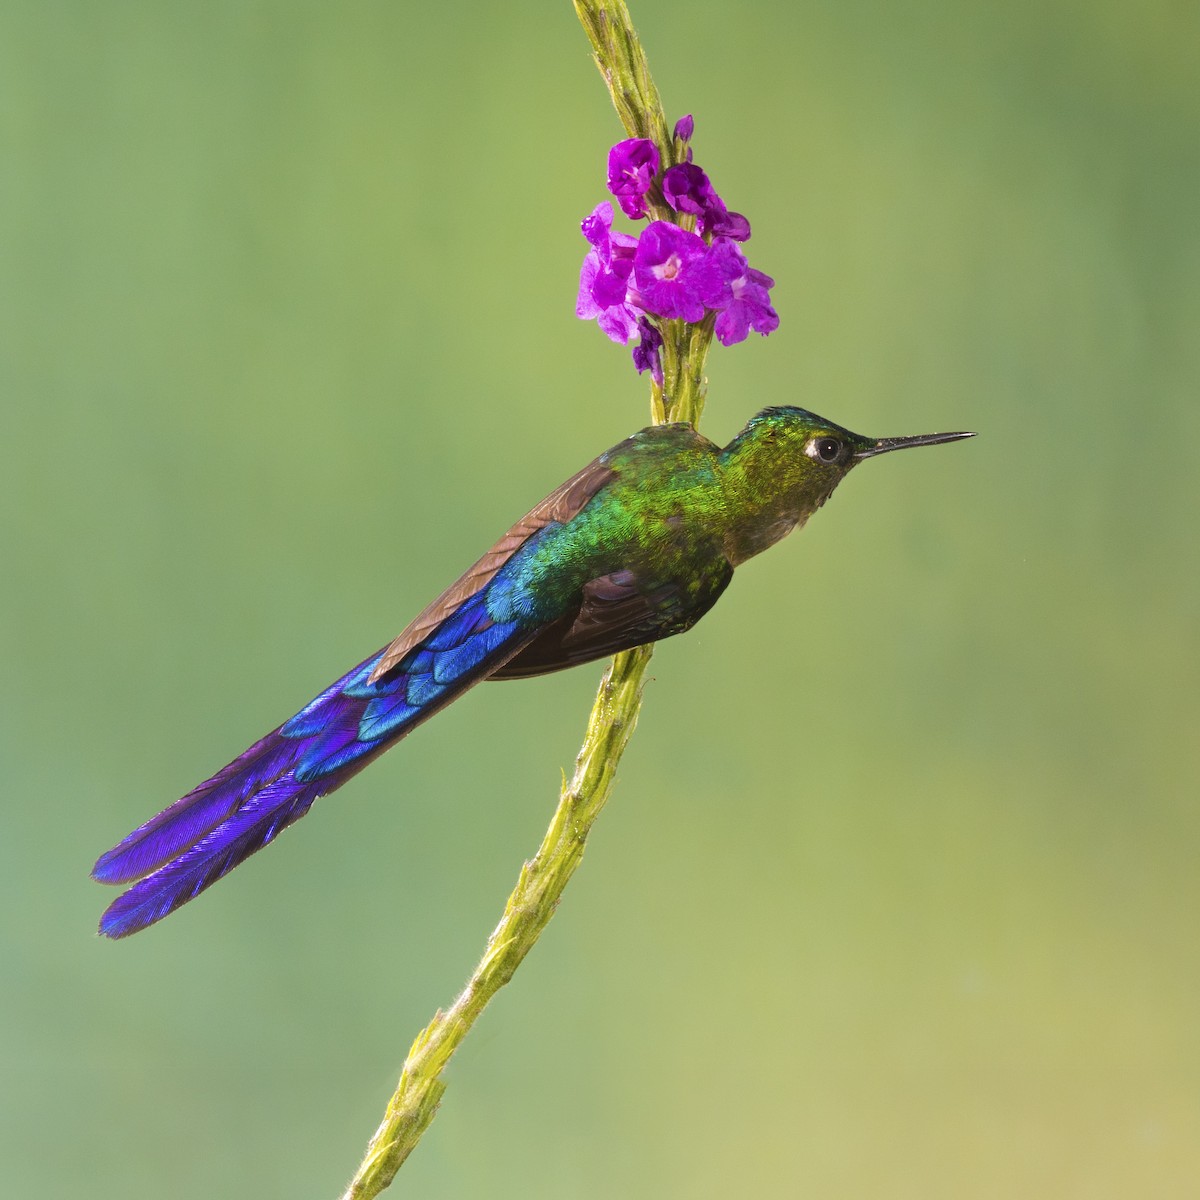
x: 619, y: 323
x: 671, y: 271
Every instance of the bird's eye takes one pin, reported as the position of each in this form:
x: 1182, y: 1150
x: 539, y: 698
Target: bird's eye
x: 826, y: 449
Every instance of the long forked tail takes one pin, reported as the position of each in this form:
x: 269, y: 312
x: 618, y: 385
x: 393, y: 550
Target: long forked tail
x: 219, y: 824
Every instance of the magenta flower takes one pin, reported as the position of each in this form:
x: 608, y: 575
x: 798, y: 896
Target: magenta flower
x: 632, y: 166
x: 604, y: 276
x: 739, y: 294
x: 668, y: 272
x: 687, y: 189
x: 671, y: 272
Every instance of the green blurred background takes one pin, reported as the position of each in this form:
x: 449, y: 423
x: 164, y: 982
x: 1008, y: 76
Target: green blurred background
x: 897, y: 895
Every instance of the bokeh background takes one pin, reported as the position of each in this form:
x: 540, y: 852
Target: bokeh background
x: 897, y: 894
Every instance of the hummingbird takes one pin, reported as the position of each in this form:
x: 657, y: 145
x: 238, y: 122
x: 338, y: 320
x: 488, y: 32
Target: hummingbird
x: 634, y: 548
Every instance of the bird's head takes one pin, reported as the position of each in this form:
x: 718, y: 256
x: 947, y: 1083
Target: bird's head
x: 787, y: 461
x: 828, y: 450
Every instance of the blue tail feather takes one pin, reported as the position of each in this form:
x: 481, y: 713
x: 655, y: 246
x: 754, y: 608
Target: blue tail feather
x: 194, y: 815
x: 216, y: 826
x: 185, y: 877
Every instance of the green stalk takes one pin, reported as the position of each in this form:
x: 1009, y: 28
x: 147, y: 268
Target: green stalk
x: 526, y: 914
x: 614, y: 714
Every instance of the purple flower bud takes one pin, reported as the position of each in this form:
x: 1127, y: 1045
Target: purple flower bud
x: 683, y: 129
x: 687, y: 189
x: 632, y: 166
x: 671, y: 272
x: 647, y: 354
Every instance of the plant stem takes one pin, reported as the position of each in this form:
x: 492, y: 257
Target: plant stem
x: 614, y: 714
x: 526, y: 914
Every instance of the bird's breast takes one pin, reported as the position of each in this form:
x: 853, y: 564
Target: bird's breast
x: 746, y: 539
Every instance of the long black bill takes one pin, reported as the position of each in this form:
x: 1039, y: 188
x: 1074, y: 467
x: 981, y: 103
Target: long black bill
x: 883, y: 445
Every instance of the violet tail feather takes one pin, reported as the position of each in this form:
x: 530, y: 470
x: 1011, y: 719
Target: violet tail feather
x: 202, y: 836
